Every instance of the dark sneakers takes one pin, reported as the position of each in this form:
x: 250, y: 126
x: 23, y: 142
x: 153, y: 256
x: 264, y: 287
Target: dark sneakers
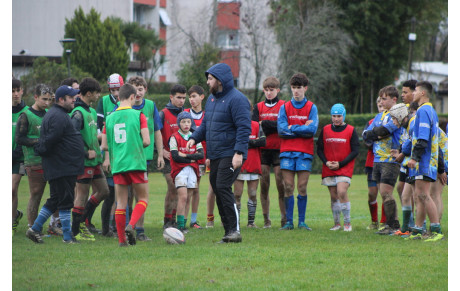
x: 233, y: 237
x: 34, y: 236
x: 131, y: 234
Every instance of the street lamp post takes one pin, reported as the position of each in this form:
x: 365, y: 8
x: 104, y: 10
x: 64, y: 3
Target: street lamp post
x: 412, y: 38
x: 67, y: 51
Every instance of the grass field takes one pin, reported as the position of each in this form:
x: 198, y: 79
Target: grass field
x: 266, y: 259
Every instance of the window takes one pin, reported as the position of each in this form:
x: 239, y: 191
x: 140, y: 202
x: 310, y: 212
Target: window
x: 228, y: 39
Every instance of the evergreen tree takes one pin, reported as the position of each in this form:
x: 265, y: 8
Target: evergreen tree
x: 100, y: 46
x: 192, y: 72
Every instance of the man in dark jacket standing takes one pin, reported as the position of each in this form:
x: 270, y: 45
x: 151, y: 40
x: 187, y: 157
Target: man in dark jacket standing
x: 225, y: 128
x: 62, y: 151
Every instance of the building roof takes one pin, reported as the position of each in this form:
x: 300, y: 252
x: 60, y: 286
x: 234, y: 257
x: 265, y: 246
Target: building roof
x: 438, y: 68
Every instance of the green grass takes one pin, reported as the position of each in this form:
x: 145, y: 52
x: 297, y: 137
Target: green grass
x: 267, y: 258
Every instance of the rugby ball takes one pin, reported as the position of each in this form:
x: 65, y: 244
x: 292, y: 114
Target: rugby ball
x: 173, y: 236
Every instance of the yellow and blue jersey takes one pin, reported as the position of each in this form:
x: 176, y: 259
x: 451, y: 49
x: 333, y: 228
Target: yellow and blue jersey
x: 443, y: 145
x: 426, y: 127
x: 382, y: 148
x: 407, y: 144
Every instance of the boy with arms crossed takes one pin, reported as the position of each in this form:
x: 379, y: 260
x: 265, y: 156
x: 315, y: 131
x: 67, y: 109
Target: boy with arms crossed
x: 385, y: 136
x: 125, y: 137
x: 27, y: 135
x: 196, y: 96
x: 184, y: 165
x: 338, y: 146
x: 297, y: 124
x: 266, y: 113
x: 84, y: 119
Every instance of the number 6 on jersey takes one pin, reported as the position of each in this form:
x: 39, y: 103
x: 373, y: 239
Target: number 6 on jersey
x: 120, y: 133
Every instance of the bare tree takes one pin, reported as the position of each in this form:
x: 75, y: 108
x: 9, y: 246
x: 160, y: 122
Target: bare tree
x: 258, y: 45
x: 313, y: 43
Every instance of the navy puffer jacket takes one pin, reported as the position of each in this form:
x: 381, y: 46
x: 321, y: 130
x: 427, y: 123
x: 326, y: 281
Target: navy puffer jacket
x: 226, y: 125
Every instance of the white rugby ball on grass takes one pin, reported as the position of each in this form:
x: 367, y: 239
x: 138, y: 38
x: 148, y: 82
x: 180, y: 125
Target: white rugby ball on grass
x: 173, y: 236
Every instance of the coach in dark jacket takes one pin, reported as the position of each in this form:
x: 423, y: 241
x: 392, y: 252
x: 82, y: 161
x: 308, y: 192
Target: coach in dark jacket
x: 61, y: 147
x: 226, y: 127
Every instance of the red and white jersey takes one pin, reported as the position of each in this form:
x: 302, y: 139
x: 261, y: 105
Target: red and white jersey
x: 298, y: 117
x: 169, y: 127
x: 337, y: 146
x: 182, y: 147
x: 252, y: 164
x: 270, y: 113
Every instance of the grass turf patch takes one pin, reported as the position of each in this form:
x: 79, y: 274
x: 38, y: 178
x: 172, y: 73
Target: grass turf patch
x: 266, y: 259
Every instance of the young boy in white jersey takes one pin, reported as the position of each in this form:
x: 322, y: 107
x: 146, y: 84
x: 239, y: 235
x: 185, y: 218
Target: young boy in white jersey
x: 196, y: 96
x: 184, y: 165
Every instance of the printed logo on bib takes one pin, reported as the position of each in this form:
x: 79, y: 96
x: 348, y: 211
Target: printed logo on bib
x: 339, y: 140
x: 298, y: 117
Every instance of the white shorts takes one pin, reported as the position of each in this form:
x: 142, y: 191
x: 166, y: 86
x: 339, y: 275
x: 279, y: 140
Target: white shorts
x: 333, y: 181
x: 248, y: 177
x: 186, y: 178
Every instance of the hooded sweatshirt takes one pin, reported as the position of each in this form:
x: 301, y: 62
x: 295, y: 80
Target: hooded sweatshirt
x: 226, y: 126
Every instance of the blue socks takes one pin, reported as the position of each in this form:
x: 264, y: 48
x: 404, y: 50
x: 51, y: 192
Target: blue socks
x: 301, y: 207
x: 64, y: 216
x: 289, y: 202
x: 139, y: 230
x: 41, y: 219
x: 193, y: 217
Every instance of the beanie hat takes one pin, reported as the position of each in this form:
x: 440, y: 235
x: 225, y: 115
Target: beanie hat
x: 115, y: 81
x: 183, y: 115
x: 339, y: 109
x: 399, y: 112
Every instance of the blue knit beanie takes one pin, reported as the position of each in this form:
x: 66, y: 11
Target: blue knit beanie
x: 183, y: 115
x: 339, y: 109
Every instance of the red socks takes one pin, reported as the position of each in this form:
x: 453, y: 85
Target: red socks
x: 373, y: 208
x: 138, y: 211
x: 120, y: 220
x: 384, y: 218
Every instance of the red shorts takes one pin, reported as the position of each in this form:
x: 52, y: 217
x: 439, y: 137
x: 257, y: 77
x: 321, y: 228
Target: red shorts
x: 34, y: 171
x: 128, y: 178
x: 91, y: 172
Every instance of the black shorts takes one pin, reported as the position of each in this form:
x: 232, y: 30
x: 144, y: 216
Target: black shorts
x: 18, y: 168
x: 270, y: 157
x: 370, y: 182
x: 403, y: 175
x: 62, y: 193
x: 167, y: 167
x: 411, y: 180
x: 386, y: 173
x: 368, y: 171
